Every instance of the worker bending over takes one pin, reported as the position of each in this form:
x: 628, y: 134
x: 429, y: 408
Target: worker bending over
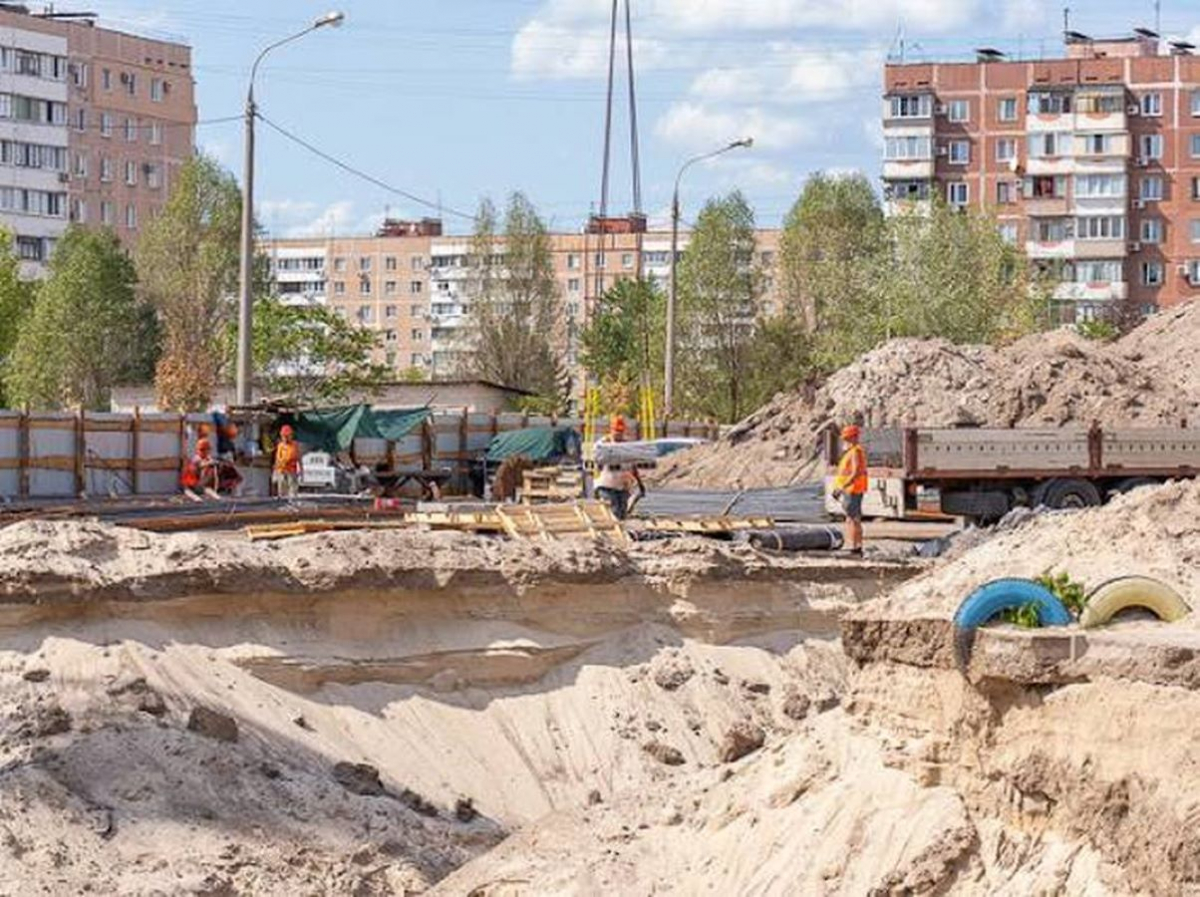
x: 286, y: 474
x: 615, y: 482
x: 850, y: 485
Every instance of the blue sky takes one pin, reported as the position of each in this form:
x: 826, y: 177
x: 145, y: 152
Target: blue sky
x: 452, y: 100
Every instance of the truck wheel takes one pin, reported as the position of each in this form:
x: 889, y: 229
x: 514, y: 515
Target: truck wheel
x: 1114, y: 596
x: 1130, y: 483
x: 1000, y: 594
x: 1062, y: 493
x: 986, y: 507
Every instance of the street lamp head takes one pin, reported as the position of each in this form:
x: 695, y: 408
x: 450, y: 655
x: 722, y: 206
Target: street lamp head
x: 745, y: 143
x: 333, y: 19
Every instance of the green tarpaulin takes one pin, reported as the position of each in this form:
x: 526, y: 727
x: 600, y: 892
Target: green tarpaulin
x: 335, y: 429
x: 535, y: 443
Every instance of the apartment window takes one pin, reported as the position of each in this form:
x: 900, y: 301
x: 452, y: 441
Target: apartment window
x: 911, y: 106
x: 1194, y: 230
x: 79, y: 211
x: 1049, y: 103
x: 1100, y: 227
x: 957, y: 193
x: 129, y: 79
x: 81, y: 165
x: 153, y: 176
x: 599, y: 259
x: 1152, y: 104
x: 339, y: 287
x: 106, y: 212
x: 155, y: 133
x: 105, y: 124
x: 418, y: 335
x: 1097, y: 144
x: 1006, y: 109
x: 1152, y: 274
x: 364, y: 286
x: 156, y: 90
x: 418, y: 263
x: 1195, y: 146
x: 1100, y: 271
x: 366, y: 314
x: 130, y: 131
x: 1152, y: 230
x: 389, y: 287
x: 79, y: 74
x: 572, y: 260
x: 415, y: 287
x: 339, y: 265
x: 105, y: 169
x: 573, y: 285
x: 389, y: 263
x: 1050, y: 143
x: 389, y: 312
x: 364, y: 263
x: 1151, y: 189
x: 627, y: 260
x: 1006, y: 149
x: 1004, y: 193
x: 131, y: 216
x: 906, y: 149
x: 1195, y: 188
x: 1052, y: 230
x: 106, y: 79
x: 416, y: 360
x: 131, y: 174
x: 1046, y: 187
x: 958, y: 110
x: 390, y: 336
x: 1152, y: 146
x: 1193, y: 272
x: 80, y: 119
x: 960, y: 152
x: 1008, y: 232
x: 1099, y: 185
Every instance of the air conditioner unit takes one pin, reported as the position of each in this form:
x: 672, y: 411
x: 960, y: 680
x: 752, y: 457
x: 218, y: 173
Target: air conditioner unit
x: 1133, y: 109
x: 64, y: 178
x: 943, y: 150
x: 1135, y: 246
x: 1143, y: 162
x: 1139, y: 203
x: 941, y: 109
x: 1183, y: 269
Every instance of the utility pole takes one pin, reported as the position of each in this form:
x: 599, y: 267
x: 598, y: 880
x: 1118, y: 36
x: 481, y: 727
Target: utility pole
x: 245, y: 358
x: 669, y: 354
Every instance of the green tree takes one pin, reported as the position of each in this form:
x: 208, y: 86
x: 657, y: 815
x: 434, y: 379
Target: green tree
x: 720, y: 292
x: 86, y: 331
x: 783, y: 357
x: 514, y: 326
x: 16, y: 300
x: 309, y: 354
x: 834, y: 226
x: 187, y: 262
x: 623, y: 342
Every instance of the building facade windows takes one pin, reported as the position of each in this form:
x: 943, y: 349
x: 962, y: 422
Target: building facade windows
x: 1100, y: 227
x: 911, y: 105
x: 1152, y: 230
x: 1152, y: 274
x: 1151, y: 103
x: 1151, y: 189
x: 1006, y: 109
x: 960, y: 152
x: 1151, y: 146
x: 957, y: 194
x: 958, y: 110
x: 907, y: 149
x: 1006, y: 149
x: 1089, y: 186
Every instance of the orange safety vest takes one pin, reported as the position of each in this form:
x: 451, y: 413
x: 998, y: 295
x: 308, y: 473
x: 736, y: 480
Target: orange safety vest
x: 852, y: 471
x: 287, y: 458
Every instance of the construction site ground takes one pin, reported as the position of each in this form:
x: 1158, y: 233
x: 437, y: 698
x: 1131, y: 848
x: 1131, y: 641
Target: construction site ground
x: 385, y: 711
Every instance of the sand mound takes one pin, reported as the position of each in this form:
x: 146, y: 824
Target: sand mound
x: 1056, y: 378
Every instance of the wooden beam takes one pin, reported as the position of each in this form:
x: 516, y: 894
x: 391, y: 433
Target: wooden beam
x: 80, y: 454
x: 23, y: 453
x: 135, y: 449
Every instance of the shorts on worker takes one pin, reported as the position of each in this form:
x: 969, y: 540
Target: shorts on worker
x: 287, y: 485
x: 618, y: 500
x: 852, y: 505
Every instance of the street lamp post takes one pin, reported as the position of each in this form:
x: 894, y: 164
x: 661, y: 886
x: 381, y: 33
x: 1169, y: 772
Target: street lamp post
x: 245, y: 360
x: 669, y: 372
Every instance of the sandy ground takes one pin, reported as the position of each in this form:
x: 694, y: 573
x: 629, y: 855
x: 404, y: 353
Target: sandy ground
x: 1147, y: 378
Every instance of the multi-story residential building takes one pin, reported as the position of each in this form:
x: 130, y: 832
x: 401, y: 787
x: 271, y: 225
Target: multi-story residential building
x: 94, y: 124
x: 410, y: 283
x: 1092, y: 161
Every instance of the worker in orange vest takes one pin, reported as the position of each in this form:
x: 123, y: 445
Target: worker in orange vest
x: 850, y: 485
x: 287, y: 463
x: 200, y: 472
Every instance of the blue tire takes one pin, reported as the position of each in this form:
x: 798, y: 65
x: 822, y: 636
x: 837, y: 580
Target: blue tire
x: 1001, y: 594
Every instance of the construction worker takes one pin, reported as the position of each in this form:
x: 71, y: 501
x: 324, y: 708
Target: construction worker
x: 850, y: 485
x: 286, y: 474
x: 200, y: 473
x: 616, y: 480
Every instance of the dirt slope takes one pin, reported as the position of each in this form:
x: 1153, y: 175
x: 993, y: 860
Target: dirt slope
x: 1058, y: 378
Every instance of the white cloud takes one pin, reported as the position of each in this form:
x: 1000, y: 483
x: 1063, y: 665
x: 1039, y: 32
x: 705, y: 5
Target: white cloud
x: 695, y: 126
x: 301, y: 218
x: 792, y: 73
x: 546, y: 49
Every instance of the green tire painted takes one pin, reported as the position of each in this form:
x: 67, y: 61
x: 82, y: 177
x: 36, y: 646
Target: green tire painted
x: 1110, y: 598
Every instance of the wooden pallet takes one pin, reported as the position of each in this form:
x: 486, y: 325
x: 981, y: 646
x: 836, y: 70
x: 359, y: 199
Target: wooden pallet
x: 554, y: 521
x: 271, y: 531
x: 707, y: 525
x: 551, y: 484
x: 467, y: 521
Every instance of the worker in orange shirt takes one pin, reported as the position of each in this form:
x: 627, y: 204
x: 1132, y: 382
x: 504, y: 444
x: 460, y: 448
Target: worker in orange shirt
x: 286, y: 474
x: 200, y: 472
x: 850, y: 485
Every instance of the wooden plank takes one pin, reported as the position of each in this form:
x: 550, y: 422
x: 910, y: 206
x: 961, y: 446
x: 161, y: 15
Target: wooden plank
x: 80, y: 454
x: 23, y: 454
x: 135, y: 449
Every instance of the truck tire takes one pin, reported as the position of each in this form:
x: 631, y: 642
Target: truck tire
x: 1001, y: 594
x: 1066, y: 493
x: 1130, y: 483
x: 986, y: 507
x: 1110, y: 598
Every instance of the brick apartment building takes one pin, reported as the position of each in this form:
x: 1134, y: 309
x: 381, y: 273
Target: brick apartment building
x: 94, y: 123
x: 409, y: 282
x: 1091, y: 160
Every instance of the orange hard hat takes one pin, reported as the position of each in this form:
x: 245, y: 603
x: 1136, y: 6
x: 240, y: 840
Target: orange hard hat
x: 286, y: 430
x: 618, y: 424
x: 231, y: 431
x: 851, y: 432
x: 203, y: 446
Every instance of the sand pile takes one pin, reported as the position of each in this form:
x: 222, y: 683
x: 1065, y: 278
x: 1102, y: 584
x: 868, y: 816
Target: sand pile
x: 1056, y: 378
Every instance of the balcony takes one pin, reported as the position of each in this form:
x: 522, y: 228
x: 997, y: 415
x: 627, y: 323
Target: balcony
x: 1046, y: 207
x: 1050, y: 249
x: 1101, y: 291
x: 908, y: 170
x: 1040, y: 122
x: 1036, y: 165
x: 1101, y: 249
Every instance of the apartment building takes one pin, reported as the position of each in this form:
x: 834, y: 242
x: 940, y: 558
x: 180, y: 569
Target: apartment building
x: 409, y: 283
x: 1091, y: 160
x: 94, y: 124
